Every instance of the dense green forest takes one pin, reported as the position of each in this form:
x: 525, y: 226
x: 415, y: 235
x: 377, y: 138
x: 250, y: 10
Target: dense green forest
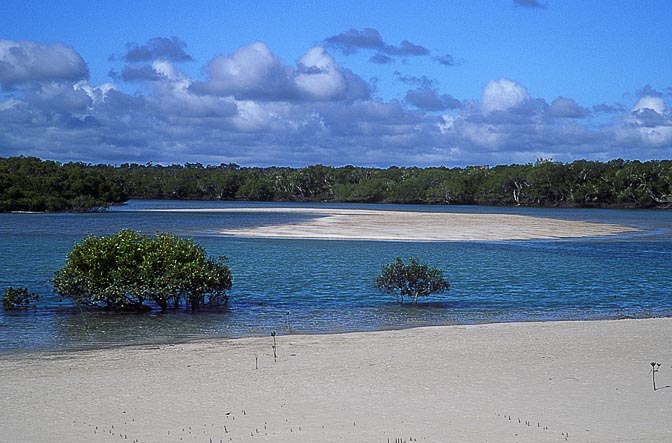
x: 31, y: 184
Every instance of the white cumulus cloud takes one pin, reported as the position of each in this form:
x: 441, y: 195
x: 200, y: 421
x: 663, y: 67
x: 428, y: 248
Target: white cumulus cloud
x: 648, y: 102
x: 251, y: 72
x: 503, y: 94
x: 319, y: 77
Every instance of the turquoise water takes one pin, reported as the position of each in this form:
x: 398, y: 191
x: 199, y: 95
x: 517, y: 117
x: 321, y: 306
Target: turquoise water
x: 308, y: 286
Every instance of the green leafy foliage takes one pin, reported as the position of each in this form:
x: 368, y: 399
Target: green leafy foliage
x: 30, y: 184
x: 17, y: 299
x: 582, y: 183
x: 126, y: 270
x: 412, y: 279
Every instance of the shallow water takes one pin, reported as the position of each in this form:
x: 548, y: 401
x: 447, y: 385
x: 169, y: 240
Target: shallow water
x: 308, y: 286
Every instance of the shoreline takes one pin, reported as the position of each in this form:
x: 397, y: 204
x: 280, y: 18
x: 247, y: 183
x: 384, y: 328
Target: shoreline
x: 10, y: 353
x: 588, y: 379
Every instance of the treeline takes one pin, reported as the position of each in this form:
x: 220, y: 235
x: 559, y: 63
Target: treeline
x: 617, y: 183
x: 32, y: 184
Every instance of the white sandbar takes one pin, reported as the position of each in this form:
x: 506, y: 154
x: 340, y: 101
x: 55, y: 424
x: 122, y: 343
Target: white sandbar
x: 355, y: 224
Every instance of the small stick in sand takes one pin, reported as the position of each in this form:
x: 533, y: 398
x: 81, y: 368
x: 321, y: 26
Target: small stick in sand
x: 275, y: 347
x: 655, y: 367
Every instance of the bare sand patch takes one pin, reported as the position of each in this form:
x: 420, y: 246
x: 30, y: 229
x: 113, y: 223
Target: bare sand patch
x: 526, y: 382
x: 354, y: 224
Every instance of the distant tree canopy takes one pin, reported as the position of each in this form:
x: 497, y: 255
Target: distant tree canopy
x: 412, y: 279
x: 126, y: 270
x: 30, y: 184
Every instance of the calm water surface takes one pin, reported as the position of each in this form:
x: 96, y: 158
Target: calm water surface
x: 307, y: 286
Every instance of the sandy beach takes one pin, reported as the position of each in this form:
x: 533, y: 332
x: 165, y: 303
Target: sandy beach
x: 357, y: 224
x: 520, y: 382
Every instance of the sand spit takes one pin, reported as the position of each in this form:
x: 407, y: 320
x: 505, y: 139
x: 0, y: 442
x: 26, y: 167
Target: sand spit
x: 519, y: 382
x: 354, y: 224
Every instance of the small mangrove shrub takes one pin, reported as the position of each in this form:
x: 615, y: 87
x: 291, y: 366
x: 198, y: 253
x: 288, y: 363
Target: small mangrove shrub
x: 18, y: 299
x: 412, y: 279
x: 127, y: 270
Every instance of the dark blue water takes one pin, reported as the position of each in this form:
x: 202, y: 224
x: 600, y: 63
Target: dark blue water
x: 302, y: 286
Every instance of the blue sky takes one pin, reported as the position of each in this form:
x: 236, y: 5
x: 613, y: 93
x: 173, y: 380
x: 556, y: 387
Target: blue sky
x: 294, y: 83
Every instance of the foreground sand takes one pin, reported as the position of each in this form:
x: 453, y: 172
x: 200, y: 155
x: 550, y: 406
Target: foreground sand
x: 357, y: 224
x: 525, y: 382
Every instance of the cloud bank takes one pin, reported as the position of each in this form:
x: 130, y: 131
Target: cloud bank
x: 23, y: 63
x: 253, y: 108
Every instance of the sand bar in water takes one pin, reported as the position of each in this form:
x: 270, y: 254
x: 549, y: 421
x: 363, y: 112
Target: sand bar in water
x: 356, y: 224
